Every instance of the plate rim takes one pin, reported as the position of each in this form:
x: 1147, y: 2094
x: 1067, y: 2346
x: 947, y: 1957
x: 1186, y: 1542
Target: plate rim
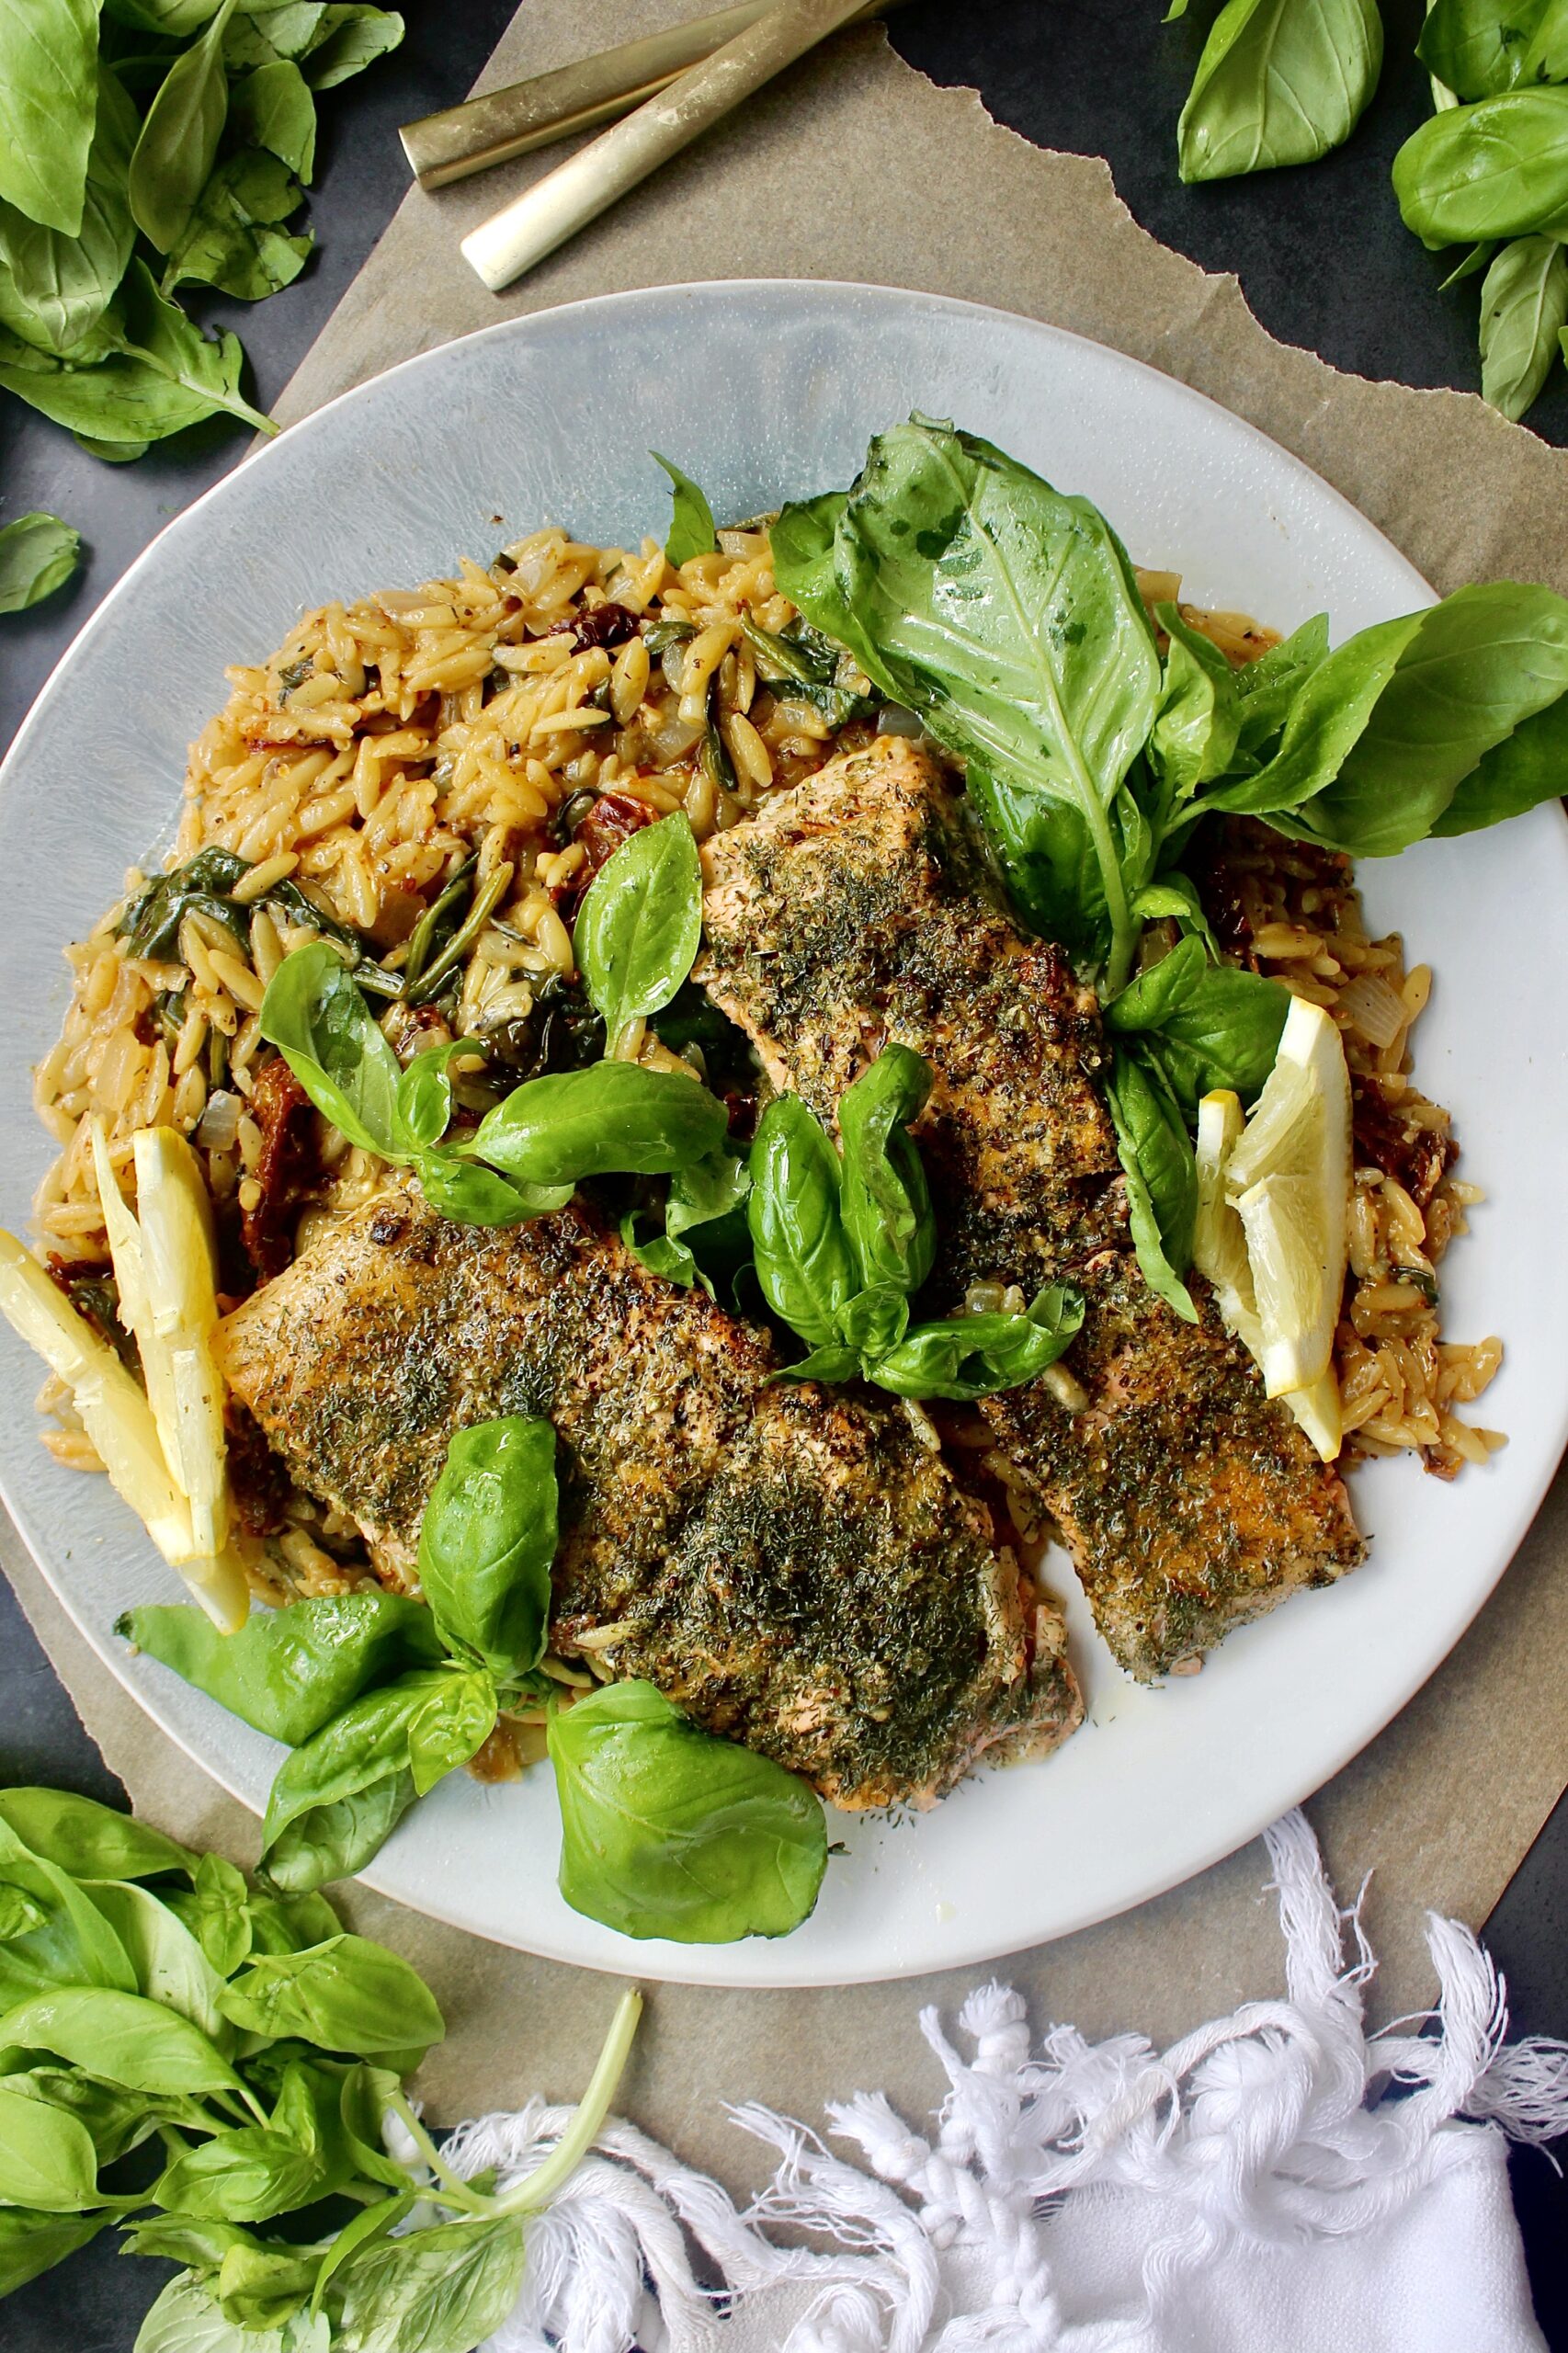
x: 631, y: 1959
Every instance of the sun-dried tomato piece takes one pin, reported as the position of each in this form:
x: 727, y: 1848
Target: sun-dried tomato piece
x: 286, y: 1172
x: 1414, y: 1157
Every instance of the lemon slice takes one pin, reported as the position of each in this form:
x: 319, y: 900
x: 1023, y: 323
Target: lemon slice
x: 1219, y: 1253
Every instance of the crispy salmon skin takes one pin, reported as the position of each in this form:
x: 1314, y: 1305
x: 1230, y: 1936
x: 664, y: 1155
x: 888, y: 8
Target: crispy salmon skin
x: 857, y: 909
x: 790, y: 1564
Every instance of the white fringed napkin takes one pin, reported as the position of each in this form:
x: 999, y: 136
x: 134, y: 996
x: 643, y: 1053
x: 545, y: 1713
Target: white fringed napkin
x: 1274, y: 2182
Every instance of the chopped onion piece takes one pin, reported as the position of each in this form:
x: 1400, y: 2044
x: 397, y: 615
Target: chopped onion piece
x: 1375, y: 1008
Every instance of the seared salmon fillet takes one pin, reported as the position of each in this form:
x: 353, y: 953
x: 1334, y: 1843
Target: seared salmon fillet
x: 1188, y: 1503
x: 856, y: 912
x: 791, y: 1564
x: 858, y: 909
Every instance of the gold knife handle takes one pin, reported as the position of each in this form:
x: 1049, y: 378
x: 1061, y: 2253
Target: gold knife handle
x: 493, y: 127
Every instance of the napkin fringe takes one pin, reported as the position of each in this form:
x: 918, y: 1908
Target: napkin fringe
x: 1280, y: 2125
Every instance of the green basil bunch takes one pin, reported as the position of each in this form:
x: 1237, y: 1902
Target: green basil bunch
x: 1489, y: 170
x: 378, y: 1696
x: 151, y: 2001
x: 527, y: 1154
x: 1006, y: 615
x: 153, y: 144
x: 841, y: 1244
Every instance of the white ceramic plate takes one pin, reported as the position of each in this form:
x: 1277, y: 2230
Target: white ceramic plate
x: 764, y: 391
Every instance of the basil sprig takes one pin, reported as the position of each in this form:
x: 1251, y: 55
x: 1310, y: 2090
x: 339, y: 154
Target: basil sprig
x: 255, y: 2052
x: 528, y: 1153
x: 378, y: 1698
x: 840, y: 1244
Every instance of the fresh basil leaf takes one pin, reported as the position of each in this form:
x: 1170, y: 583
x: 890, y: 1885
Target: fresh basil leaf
x: 691, y: 523
x: 1006, y: 616
x: 364, y: 2094
x: 290, y: 1923
x: 170, y: 1966
x: 346, y: 40
x: 115, y: 2121
x: 38, y: 555
x: 341, y: 1795
x: 706, y: 1200
x: 369, y: 2225
x: 146, y: 372
x: 31, y: 2242
x: 122, y: 2037
x: 261, y: 2287
x: 1268, y: 686
x: 347, y: 1994
x: 1176, y: 896
x: 218, y: 1914
x: 1478, y: 259
x: 47, y: 2158
x: 974, y: 1356
x: 244, y: 2176
x: 337, y: 1839
x: 708, y: 1197
x: 1327, y: 715
x: 289, y: 1671
x: 1495, y: 170
x: 441, y: 2290
x: 469, y: 1194
x: 453, y: 1725
x: 1148, y: 1001
x: 186, y: 2319
x: 47, y: 91
x: 874, y: 1320
x: 231, y: 240
x: 1521, y: 772
x: 1546, y: 60
x: 836, y: 1362
x: 314, y: 1013
x: 1476, y: 48
x: 1198, y: 720
x: 1523, y: 308
x: 1278, y: 82
x: 178, y: 144
x: 672, y: 1261
x: 611, y: 1119
x: 54, y: 287
x: 424, y: 1109
x: 1207, y: 1025
x: 884, y: 1202
x: 803, y: 1260
x: 247, y: 47
x: 18, y: 1913
x: 487, y: 1542
x: 70, y: 1944
x: 90, y: 1840
x: 200, y: 2241
x: 668, y: 1832
x: 1162, y: 1178
x: 637, y: 935
x: 1480, y: 662
x: 273, y: 109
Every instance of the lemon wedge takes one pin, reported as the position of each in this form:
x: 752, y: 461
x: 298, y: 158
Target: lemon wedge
x: 1287, y: 1176
x: 1286, y: 1312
